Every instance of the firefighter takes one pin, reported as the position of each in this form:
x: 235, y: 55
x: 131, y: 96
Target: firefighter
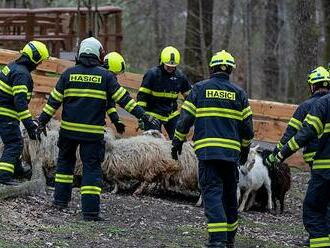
x: 16, y: 86
x: 222, y: 119
x: 159, y: 90
x: 115, y: 63
x: 316, y: 124
x: 318, y: 90
x: 84, y: 91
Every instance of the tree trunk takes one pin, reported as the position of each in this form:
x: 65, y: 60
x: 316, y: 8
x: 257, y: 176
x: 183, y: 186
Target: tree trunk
x: 198, y: 38
x: 159, y: 40
x: 229, y: 25
x: 306, y: 46
x: 207, y: 17
x: 248, y: 46
x: 270, y: 65
x: 326, y: 13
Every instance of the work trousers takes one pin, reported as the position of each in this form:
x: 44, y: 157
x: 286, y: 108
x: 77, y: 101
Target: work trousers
x: 92, y: 155
x: 218, y: 182
x: 315, y: 208
x: 10, y: 162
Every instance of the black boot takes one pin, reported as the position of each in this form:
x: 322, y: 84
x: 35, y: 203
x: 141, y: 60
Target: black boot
x: 92, y: 218
x: 306, y: 243
x: 10, y: 181
x: 216, y: 245
x: 230, y: 245
x: 23, y: 171
x: 60, y: 205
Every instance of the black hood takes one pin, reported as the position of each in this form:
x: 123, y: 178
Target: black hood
x: 88, y: 60
x: 24, y: 60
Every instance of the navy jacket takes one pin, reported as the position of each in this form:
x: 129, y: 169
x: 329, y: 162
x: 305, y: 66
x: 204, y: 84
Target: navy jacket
x: 222, y: 118
x: 295, y: 125
x: 16, y: 86
x: 316, y: 124
x: 159, y: 91
x: 87, y: 92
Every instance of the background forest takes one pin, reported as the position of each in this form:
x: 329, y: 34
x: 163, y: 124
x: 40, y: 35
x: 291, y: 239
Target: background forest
x: 275, y: 42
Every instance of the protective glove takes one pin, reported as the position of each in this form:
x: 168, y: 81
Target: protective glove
x: 120, y: 126
x: 244, y: 155
x: 176, y: 148
x: 31, y: 128
x: 140, y: 125
x: 150, y: 121
x: 272, y: 160
x: 41, y: 129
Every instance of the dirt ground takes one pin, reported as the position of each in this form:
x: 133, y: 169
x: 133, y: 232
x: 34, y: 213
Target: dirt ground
x: 147, y: 221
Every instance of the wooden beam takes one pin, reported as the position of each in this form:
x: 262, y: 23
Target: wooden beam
x: 272, y: 110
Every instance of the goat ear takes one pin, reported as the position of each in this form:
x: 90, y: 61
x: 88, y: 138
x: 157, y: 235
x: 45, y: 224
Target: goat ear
x: 256, y: 147
x: 250, y: 165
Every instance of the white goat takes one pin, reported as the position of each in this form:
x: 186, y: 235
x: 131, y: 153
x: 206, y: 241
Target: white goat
x: 252, y: 176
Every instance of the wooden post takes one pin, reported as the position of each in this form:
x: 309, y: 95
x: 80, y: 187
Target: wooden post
x: 78, y: 24
x: 118, y: 30
x: 106, y: 32
x: 29, y: 26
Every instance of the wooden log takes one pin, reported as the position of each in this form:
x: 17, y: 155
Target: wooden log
x: 37, y: 184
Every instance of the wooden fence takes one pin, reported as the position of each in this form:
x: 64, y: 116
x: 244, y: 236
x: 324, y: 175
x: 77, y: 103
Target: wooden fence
x: 270, y: 118
x: 60, y: 28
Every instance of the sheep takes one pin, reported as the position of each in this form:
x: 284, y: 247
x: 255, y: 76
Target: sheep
x: 48, y: 150
x: 280, y: 176
x: 143, y: 158
x: 181, y: 175
x: 252, y: 176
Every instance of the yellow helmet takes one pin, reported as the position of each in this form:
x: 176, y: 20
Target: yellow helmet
x: 36, y: 51
x: 320, y: 74
x: 222, y: 58
x: 170, y: 56
x: 114, y: 62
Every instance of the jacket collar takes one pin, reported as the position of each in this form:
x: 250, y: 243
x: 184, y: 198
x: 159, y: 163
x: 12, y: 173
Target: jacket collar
x: 319, y: 93
x: 220, y: 75
x: 25, y: 61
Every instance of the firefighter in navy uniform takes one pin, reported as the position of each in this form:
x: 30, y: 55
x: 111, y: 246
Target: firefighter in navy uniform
x: 84, y: 91
x: 115, y: 63
x: 318, y: 90
x: 316, y: 124
x: 223, y: 130
x: 159, y: 90
x: 16, y: 86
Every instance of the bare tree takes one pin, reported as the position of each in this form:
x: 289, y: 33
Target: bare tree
x: 229, y: 25
x: 306, y: 45
x: 198, y: 40
x: 270, y: 65
x: 326, y: 13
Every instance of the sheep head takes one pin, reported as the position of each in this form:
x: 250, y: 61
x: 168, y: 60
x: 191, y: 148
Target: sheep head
x: 251, y: 158
x: 154, y: 133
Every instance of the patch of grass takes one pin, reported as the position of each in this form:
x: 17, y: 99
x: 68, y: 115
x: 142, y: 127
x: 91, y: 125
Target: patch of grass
x: 247, y: 242
x: 11, y: 244
x: 115, y: 230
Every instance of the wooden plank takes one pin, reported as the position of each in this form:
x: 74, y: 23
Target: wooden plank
x: 130, y: 80
x: 52, y: 65
x: 44, y: 84
x: 269, y: 131
x: 272, y: 110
